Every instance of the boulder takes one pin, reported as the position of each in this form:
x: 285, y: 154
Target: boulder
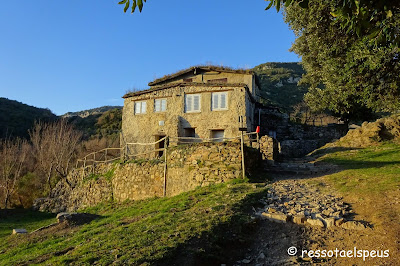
x: 19, y: 231
x: 315, y: 222
x: 75, y: 218
x: 329, y: 222
x: 353, y: 225
x: 299, y: 219
x: 340, y: 221
x: 276, y: 217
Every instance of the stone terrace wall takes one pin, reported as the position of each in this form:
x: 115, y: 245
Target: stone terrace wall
x: 188, y: 166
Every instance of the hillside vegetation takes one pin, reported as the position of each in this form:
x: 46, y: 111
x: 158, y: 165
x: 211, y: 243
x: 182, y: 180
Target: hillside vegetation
x: 17, y: 118
x: 93, y: 111
x: 278, y: 84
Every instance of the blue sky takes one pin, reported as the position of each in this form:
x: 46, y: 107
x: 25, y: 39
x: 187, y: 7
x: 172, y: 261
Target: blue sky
x: 75, y: 55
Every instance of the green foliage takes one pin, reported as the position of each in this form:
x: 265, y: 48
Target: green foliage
x: 376, y: 20
x: 109, y: 175
x: 17, y: 118
x: 348, y: 75
x: 135, y: 3
x: 29, y: 189
x: 143, y: 232
x: 97, y: 122
x: 92, y: 176
x: 109, y: 122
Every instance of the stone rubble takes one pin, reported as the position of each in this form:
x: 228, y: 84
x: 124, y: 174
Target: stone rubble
x: 302, y: 203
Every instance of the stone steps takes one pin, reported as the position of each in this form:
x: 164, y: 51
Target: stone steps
x: 299, y: 167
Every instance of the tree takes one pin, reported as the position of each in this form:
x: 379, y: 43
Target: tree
x: 376, y: 20
x: 13, y: 154
x: 54, y: 147
x: 348, y: 75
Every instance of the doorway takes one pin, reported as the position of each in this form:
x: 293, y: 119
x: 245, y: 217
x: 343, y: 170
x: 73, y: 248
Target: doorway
x: 159, y: 145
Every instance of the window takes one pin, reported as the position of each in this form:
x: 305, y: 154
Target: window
x: 192, y: 103
x: 160, y: 105
x: 188, y: 80
x: 224, y: 80
x: 217, y: 135
x: 140, y: 107
x: 219, y: 101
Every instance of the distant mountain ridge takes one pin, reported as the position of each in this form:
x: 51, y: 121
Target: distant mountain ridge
x: 93, y: 111
x: 17, y: 118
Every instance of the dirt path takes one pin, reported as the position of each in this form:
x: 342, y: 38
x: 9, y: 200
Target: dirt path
x: 273, y: 237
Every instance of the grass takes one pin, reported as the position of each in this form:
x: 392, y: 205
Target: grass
x: 370, y: 170
x: 140, y: 232
x: 369, y: 179
x: 21, y: 218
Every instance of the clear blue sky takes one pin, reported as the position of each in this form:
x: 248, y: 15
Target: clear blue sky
x: 75, y: 55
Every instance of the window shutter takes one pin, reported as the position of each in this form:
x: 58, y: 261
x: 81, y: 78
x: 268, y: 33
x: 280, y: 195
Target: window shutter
x: 215, y: 101
x: 223, y: 100
x: 156, y: 106
x: 137, y: 108
x: 188, y: 103
x: 196, y: 103
x: 163, y: 105
x: 143, y: 107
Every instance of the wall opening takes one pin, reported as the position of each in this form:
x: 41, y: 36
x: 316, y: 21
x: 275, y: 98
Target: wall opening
x: 190, y: 133
x: 218, y: 135
x: 159, y: 145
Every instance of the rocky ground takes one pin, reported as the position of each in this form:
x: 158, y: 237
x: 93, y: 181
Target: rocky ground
x: 302, y: 213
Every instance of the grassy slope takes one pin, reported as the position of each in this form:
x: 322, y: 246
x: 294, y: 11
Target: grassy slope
x: 370, y: 178
x: 140, y: 232
x: 372, y: 170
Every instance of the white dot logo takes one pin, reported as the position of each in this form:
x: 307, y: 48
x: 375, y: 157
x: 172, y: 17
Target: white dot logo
x: 292, y: 251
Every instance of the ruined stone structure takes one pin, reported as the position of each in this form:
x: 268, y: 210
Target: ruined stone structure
x: 204, y: 102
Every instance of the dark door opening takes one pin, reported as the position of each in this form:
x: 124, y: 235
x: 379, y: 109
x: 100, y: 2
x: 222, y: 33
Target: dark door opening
x: 159, y: 145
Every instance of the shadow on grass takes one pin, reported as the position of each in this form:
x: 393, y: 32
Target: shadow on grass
x: 328, y: 150
x: 224, y: 243
x: 22, y: 218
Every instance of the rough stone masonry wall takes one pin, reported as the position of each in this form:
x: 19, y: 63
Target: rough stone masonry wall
x: 188, y: 166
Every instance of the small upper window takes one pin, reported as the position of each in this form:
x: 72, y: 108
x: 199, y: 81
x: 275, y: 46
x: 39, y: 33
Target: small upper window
x: 192, y: 103
x: 223, y: 80
x: 219, y: 101
x: 160, y: 105
x: 140, y: 107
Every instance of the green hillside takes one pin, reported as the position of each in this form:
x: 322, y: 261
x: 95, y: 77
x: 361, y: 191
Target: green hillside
x: 17, y: 118
x: 99, y: 124
x: 278, y: 84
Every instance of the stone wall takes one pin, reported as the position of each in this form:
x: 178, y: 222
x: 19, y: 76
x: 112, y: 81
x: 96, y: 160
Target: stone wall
x: 269, y: 148
x: 296, y: 140
x: 188, y: 166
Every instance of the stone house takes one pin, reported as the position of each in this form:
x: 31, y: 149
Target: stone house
x: 202, y: 101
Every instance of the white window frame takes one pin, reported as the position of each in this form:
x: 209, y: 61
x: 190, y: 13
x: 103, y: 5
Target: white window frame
x: 189, y: 98
x: 140, y: 107
x: 218, y: 95
x: 159, y: 103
